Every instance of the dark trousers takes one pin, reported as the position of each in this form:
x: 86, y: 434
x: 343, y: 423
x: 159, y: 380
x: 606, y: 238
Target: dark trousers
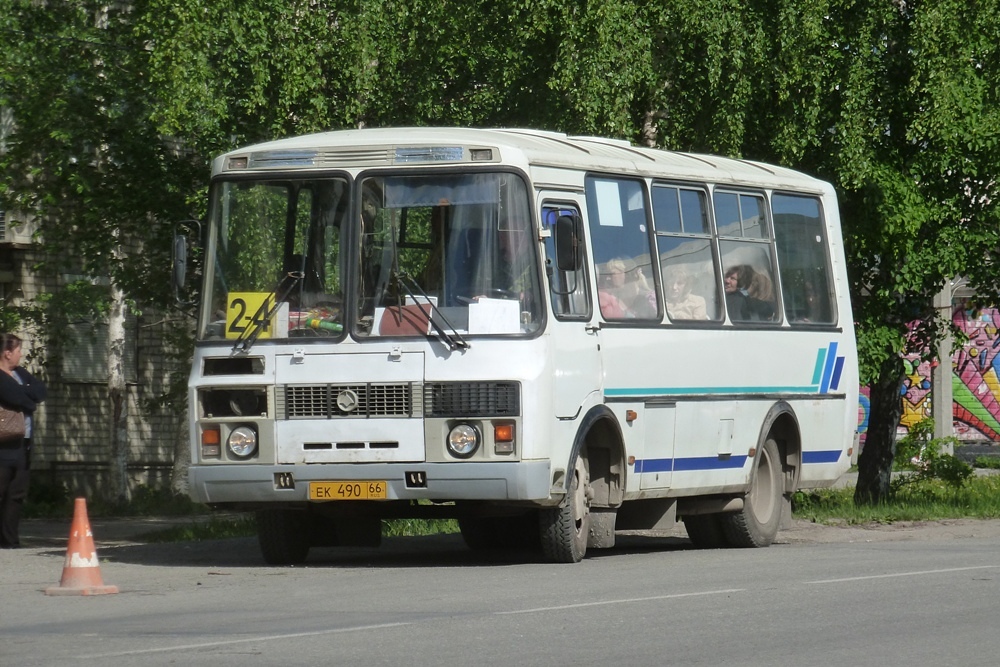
x: 14, y: 477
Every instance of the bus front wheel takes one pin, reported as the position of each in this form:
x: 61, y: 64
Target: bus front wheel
x: 756, y: 525
x: 284, y: 536
x: 564, y: 529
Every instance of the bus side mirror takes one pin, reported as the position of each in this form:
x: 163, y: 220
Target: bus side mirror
x: 179, y: 262
x: 567, y: 242
x: 179, y: 256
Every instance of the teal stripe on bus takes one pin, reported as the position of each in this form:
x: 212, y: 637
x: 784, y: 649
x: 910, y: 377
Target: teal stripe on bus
x: 675, y: 391
x: 818, y: 370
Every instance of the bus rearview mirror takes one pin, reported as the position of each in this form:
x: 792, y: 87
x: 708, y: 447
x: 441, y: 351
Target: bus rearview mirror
x: 567, y: 243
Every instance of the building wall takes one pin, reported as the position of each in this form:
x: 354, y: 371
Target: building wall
x: 74, y: 424
x: 975, y: 382
x: 72, y: 429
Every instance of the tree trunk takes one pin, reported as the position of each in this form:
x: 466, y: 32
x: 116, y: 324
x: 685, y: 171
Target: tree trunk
x: 875, y: 462
x: 649, y: 128
x: 182, y: 457
x: 118, y: 397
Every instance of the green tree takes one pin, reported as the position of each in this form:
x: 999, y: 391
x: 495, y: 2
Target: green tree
x: 119, y: 112
x: 895, y: 103
x: 86, y: 159
x: 919, y: 191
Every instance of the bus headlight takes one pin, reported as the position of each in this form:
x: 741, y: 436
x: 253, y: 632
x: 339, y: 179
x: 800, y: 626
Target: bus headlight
x: 463, y: 441
x: 242, y: 442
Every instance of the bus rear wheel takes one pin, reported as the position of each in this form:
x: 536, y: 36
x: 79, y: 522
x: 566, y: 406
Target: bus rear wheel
x: 705, y: 531
x: 564, y: 529
x: 756, y: 525
x: 284, y: 536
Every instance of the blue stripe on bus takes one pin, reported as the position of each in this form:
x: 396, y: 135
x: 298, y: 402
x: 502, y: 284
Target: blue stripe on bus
x: 827, y: 456
x: 831, y: 359
x: 654, y: 465
x: 837, y: 370
x: 715, y: 463
x: 689, y: 464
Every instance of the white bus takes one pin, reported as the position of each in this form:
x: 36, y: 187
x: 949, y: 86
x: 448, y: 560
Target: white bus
x: 547, y: 337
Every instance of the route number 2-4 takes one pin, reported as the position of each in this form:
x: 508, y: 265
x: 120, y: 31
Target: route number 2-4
x: 248, y: 310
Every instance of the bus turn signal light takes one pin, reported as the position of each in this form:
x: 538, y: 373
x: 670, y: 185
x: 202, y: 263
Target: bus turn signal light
x: 211, y: 443
x: 503, y: 438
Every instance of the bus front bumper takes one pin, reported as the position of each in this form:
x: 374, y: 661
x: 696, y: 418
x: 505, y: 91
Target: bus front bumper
x: 521, y: 481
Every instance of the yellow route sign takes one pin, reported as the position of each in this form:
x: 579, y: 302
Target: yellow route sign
x: 245, y: 310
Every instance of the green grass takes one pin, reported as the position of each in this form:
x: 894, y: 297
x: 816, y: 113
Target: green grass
x: 989, y: 462
x: 414, y: 527
x: 53, y: 501
x: 218, y: 528
x: 927, y: 500
x: 214, y: 528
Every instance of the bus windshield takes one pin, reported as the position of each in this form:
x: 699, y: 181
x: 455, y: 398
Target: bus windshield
x: 451, y: 252
x: 276, y: 266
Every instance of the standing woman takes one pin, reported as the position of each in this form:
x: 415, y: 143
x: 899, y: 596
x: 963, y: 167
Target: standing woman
x: 22, y: 392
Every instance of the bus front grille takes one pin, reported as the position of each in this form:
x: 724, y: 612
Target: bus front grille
x: 336, y: 401
x: 472, y: 399
x: 435, y: 399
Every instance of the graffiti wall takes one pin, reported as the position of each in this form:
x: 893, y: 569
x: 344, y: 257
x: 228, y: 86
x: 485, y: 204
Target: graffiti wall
x: 974, y: 382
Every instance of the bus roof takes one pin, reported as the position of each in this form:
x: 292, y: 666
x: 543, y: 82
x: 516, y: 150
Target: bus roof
x: 528, y: 148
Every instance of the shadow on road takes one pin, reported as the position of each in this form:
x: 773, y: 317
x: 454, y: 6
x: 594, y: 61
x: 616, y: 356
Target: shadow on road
x: 396, y: 552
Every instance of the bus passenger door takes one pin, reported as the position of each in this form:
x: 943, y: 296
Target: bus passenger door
x: 573, y: 339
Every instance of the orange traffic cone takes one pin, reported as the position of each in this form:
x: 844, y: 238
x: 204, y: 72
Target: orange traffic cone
x: 81, y: 573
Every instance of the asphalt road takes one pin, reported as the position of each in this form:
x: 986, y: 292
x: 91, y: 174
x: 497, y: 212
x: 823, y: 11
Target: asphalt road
x: 899, y: 595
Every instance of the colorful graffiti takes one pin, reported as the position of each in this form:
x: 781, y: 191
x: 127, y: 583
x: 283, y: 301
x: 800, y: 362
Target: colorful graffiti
x: 975, y: 382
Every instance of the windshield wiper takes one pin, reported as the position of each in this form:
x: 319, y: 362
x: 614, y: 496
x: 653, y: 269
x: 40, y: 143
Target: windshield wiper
x: 262, y: 317
x: 450, y: 337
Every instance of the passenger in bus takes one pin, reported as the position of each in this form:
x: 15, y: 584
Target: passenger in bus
x: 808, y: 306
x: 761, y: 293
x: 681, y: 303
x: 623, y: 298
x: 613, y: 280
x: 739, y: 302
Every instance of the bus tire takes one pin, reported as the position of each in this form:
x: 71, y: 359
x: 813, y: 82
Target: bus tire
x: 756, y: 525
x: 705, y: 531
x: 284, y: 536
x: 564, y: 530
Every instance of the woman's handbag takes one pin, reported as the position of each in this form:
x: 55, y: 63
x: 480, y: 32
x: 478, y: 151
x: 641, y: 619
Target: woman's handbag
x: 11, y: 424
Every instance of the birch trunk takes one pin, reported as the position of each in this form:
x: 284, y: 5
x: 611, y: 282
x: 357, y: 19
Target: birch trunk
x: 118, y: 396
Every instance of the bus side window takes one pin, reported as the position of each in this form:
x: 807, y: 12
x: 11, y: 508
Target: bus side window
x: 748, y: 270
x: 800, y: 241
x: 684, y: 245
x: 620, y: 237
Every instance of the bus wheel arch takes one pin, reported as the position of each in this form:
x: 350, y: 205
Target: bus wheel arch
x: 782, y: 425
x: 594, y: 480
x: 774, y: 474
x: 600, y: 440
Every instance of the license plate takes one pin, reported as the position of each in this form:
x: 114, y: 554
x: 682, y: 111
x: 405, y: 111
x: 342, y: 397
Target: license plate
x: 348, y: 490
